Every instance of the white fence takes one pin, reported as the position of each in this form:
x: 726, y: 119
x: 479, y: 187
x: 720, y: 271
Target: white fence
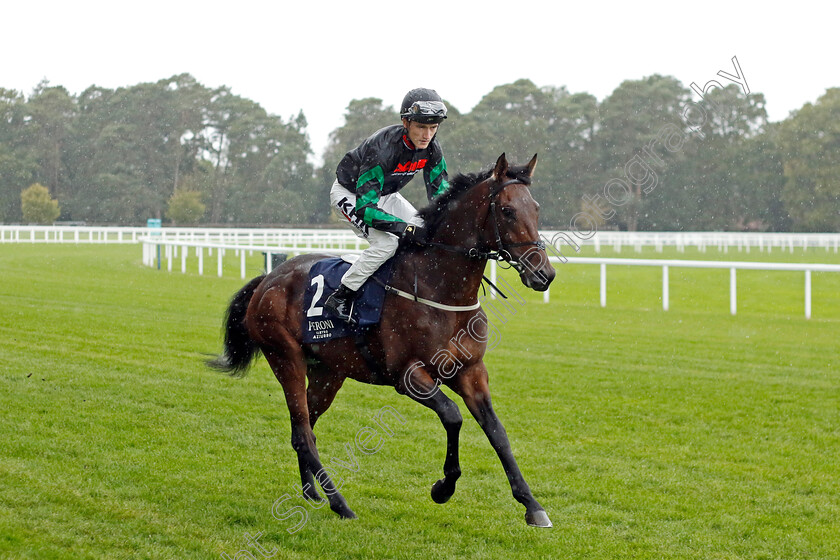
x: 307, y: 238
x: 733, y: 266
x: 170, y: 244
x: 701, y: 240
x: 343, y: 238
x: 156, y: 252
x: 70, y: 234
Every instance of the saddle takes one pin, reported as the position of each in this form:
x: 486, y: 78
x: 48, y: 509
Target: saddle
x: 319, y: 325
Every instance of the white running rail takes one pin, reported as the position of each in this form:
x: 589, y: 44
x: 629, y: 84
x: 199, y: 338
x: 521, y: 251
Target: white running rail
x: 309, y: 237
x: 157, y: 251
x: 733, y: 266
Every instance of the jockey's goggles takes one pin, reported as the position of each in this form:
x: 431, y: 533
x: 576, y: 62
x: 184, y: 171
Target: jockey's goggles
x: 425, y: 109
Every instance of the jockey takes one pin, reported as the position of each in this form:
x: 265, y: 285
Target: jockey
x: 367, y: 185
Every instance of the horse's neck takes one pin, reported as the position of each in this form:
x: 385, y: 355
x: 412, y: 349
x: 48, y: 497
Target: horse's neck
x: 443, y: 276
x: 449, y: 276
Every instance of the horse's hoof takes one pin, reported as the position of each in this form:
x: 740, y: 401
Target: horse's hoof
x: 538, y: 518
x: 347, y: 513
x: 343, y: 511
x: 439, y: 492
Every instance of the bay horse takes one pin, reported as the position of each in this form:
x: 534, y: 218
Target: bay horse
x: 490, y: 215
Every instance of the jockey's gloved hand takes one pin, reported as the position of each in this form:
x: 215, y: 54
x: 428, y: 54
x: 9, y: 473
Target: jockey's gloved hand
x: 411, y: 233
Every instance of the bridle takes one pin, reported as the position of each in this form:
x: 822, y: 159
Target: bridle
x: 501, y: 252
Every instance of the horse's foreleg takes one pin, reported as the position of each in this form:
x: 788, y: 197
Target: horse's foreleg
x: 473, y: 387
x: 417, y: 384
x: 291, y: 372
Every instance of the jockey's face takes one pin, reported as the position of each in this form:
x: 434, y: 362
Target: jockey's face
x: 420, y: 134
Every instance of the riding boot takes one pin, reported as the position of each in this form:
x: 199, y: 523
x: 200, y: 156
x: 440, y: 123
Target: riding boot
x: 340, y: 303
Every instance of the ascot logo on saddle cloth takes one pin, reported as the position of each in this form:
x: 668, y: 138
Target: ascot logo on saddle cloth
x: 319, y: 325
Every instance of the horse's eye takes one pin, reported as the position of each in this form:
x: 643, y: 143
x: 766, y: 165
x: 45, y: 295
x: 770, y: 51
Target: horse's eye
x: 508, y: 213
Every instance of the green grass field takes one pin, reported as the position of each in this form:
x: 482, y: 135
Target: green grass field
x: 645, y: 434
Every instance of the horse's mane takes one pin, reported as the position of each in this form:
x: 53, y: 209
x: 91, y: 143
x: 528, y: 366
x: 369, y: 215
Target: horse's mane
x: 434, y: 213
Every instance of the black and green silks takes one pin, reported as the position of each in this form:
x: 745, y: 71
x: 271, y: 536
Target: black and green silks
x: 383, y: 164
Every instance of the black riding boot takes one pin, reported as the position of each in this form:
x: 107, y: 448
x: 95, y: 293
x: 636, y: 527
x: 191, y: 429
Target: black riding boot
x: 340, y: 303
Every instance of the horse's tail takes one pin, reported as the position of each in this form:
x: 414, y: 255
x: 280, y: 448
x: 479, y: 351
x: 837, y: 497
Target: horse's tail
x: 239, y: 349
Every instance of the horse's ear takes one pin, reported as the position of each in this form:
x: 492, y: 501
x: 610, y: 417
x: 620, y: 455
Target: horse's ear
x: 531, y: 165
x: 501, y: 168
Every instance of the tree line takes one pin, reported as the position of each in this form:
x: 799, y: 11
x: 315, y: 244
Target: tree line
x: 647, y: 157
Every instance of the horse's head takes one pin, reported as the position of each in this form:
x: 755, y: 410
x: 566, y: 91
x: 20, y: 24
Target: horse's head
x: 492, y: 215
x: 511, y: 224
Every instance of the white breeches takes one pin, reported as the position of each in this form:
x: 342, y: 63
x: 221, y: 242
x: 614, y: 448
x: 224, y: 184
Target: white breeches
x: 383, y: 245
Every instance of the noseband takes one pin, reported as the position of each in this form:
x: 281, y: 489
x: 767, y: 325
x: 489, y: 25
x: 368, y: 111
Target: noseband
x: 500, y: 253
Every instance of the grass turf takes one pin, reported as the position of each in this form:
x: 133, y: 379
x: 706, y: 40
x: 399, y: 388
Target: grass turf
x: 645, y: 434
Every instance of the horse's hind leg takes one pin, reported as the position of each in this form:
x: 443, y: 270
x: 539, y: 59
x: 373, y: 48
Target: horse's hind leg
x: 320, y: 393
x: 290, y: 370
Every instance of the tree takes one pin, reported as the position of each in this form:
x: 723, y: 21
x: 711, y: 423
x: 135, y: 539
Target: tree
x: 118, y: 156
x: 260, y: 173
x: 51, y: 112
x: 721, y: 180
x: 185, y: 207
x: 294, y: 195
x: 521, y: 119
x: 631, y: 118
x: 37, y: 206
x: 810, y: 144
x: 569, y: 163
x: 16, y: 166
x: 95, y: 112
x: 12, y: 117
x: 759, y: 182
x: 15, y: 171
x: 132, y: 148
x: 187, y: 98
x: 513, y: 118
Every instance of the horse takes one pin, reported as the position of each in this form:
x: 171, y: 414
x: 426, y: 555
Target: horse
x: 431, y: 310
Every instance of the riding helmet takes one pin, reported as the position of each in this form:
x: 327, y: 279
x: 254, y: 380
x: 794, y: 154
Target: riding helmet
x: 423, y: 105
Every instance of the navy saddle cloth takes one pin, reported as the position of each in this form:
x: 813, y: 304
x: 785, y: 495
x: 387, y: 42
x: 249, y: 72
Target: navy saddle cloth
x: 319, y: 324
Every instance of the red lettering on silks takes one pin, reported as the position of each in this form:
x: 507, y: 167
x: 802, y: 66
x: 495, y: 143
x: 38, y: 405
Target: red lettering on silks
x: 410, y: 166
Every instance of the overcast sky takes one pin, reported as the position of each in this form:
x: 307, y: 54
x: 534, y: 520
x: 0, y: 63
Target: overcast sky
x: 318, y: 56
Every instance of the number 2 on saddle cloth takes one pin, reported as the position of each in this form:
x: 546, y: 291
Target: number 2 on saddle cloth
x: 319, y: 325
